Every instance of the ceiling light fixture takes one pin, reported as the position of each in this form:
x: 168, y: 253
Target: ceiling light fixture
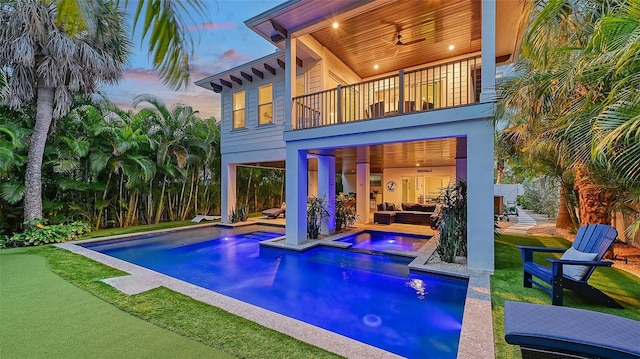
x: 451, y: 47
x: 376, y: 66
x: 335, y: 25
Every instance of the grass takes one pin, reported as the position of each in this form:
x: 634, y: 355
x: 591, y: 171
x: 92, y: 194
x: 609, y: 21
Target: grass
x: 136, y: 229
x: 506, y: 284
x: 33, y: 326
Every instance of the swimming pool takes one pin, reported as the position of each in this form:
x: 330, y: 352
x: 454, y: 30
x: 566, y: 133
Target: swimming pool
x: 379, y: 241
x: 370, y: 298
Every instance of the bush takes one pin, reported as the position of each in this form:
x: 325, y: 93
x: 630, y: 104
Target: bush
x: 542, y: 195
x: 41, y: 233
x: 238, y: 215
x: 316, y: 213
x: 345, y: 216
x: 452, y: 222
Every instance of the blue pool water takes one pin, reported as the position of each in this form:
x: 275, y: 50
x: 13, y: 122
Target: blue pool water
x: 370, y: 298
x: 379, y: 241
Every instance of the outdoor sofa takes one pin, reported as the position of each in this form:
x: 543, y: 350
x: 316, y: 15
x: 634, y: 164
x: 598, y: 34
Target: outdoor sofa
x: 408, y: 213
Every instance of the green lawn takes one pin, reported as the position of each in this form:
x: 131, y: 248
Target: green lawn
x: 45, y: 316
x: 137, y: 229
x: 506, y: 284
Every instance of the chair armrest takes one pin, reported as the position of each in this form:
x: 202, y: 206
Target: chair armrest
x: 580, y: 263
x: 542, y: 249
x: 527, y: 252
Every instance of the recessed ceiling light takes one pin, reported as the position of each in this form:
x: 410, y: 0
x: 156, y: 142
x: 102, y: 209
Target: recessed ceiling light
x: 335, y: 25
x: 451, y: 47
x: 376, y: 66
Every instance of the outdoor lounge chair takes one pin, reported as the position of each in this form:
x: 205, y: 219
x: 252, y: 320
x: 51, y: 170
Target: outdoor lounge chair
x: 546, y: 331
x: 274, y: 213
x: 573, y: 270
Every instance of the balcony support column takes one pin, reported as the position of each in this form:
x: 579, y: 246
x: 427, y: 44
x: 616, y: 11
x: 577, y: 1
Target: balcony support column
x: 228, y: 189
x: 479, y: 198
x: 362, y: 191
x: 488, y: 92
x: 296, y: 187
x: 290, y: 82
x: 327, y: 189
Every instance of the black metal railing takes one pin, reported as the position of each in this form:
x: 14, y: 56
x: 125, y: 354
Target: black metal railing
x: 451, y: 84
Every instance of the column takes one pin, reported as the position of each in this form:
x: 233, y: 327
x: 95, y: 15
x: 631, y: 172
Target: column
x: 296, y: 187
x: 488, y: 92
x: 290, y: 82
x: 362, y: 192
x: 480, y: 197
x: 228, y: 190
x: 327, y: 189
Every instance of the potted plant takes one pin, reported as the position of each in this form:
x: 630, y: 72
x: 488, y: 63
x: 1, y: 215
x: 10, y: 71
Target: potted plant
x: 316, y: 213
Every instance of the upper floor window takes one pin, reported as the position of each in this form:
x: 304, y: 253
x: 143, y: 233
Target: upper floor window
x: 238, y: 109
x: 265, y: 104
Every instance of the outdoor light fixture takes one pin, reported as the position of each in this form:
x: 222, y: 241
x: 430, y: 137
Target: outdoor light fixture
x: 335, y: 25
x: 451, y: 47
x: 375, y: 66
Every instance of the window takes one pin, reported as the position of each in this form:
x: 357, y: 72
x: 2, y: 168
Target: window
x: 265, y: 104
x: 238, y: 109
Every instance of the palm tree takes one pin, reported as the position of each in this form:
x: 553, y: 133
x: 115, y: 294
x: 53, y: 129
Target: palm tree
x: 48, y: 64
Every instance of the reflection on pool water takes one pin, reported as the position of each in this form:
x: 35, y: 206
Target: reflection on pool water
x: 370, y: 298
x: 379, y: 241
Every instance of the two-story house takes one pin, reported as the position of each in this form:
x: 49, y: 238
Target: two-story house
x: 398, y: 94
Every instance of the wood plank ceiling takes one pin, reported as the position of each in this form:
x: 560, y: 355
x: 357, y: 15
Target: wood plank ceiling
x: 428, y: 153
x: 371, y: 38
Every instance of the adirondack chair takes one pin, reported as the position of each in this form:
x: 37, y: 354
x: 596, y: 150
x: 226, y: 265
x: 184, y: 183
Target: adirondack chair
x: 573, y: 270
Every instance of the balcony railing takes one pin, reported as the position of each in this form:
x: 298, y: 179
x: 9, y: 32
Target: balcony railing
x: 446, y: 85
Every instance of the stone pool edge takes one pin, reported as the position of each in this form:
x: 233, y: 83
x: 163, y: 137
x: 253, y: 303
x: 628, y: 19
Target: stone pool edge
x: 476, y: 336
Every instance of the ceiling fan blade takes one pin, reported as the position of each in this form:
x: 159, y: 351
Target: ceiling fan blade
x: 412, y: 42
x: 396, y: 53
x: 388, y: 42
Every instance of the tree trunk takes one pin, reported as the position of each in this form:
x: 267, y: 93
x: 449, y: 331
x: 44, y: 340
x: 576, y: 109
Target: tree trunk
x: 33, y: 175
x: 595, y: 201
x: 564, y: 219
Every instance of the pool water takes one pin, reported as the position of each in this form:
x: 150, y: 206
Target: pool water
x: 370, y: 298
x: 379, y: 241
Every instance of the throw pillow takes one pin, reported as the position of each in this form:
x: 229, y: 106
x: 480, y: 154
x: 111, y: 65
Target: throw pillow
x: 575, y: 271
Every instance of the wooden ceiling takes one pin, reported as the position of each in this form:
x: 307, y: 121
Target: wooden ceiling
x: 428, y: 153
x: 369, y: 38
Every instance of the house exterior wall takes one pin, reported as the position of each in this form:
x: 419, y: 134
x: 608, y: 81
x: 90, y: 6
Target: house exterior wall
x: 253, y: 136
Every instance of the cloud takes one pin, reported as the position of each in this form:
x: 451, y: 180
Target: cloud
x: 232, y: 55
x: 211, y: 26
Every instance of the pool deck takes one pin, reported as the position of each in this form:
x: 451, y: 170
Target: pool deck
x: 476, y: 338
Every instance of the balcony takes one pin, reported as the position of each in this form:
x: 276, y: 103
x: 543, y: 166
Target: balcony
x: 447, y: 85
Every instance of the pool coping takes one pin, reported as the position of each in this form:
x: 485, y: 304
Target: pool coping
x: 476, y: 337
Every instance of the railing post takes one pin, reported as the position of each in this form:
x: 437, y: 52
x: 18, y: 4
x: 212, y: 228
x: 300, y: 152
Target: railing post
x: 401, y: 93
x: 339, y: 104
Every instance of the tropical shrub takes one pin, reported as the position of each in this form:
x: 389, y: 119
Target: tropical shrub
x: 452, y: 221
x: 40, y: 233
x: 542, y: 195
x: 238, y: 215
x: 345, y: 216
x: 316, y: 213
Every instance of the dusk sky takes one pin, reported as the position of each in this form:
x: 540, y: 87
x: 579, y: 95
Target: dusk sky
x: 221, y: 41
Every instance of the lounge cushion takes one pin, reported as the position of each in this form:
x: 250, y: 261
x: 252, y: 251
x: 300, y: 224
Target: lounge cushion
x: 570, y: 330
x: 574, y: 271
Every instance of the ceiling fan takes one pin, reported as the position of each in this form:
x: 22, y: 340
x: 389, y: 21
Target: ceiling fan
x: 397, y: 39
